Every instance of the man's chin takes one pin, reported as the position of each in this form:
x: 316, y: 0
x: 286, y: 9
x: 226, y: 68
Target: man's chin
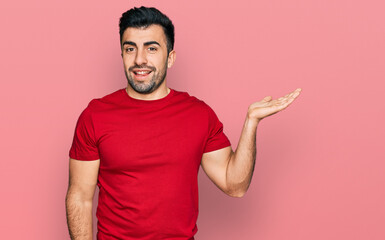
x: 143, y: 88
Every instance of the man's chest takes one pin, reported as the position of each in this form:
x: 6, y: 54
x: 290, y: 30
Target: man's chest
x: 138, y: 141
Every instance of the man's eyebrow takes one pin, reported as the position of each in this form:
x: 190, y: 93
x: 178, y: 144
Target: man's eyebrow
x: 151, y: 42
x: 145, y: 44
x: 129, y: 43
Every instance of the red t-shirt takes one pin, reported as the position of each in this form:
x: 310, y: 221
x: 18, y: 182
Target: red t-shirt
x: 150, y: 153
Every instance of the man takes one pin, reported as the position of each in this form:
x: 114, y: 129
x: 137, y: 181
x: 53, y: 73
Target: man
x: 143, y: 145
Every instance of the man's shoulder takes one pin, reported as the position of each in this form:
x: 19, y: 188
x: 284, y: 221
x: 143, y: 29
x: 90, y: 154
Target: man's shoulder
x: 109, y: 100
x: 191, y: 101
x: 186, y: 97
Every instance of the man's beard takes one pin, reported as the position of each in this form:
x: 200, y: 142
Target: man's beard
x: 147, y: 88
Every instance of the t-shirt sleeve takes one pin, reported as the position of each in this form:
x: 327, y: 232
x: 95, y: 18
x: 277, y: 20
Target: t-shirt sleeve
x: 84, y: 145
x: 216, y: 139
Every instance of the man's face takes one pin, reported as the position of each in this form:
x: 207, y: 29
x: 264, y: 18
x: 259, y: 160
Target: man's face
x: 145, y: 58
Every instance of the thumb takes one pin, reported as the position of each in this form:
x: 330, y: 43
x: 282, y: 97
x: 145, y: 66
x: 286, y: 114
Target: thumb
x: 267, y: 99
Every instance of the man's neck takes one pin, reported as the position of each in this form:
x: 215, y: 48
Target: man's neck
x: 159, y: 93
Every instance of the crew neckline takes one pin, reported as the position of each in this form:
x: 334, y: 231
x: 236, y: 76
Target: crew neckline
x: 155, y: 102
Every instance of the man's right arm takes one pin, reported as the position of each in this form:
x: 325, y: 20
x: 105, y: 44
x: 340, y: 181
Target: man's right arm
x: 83, y: 177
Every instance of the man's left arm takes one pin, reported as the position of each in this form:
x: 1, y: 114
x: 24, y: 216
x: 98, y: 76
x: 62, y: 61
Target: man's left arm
x: 232, y: 171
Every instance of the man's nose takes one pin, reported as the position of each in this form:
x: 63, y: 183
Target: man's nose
x: 141, y: 57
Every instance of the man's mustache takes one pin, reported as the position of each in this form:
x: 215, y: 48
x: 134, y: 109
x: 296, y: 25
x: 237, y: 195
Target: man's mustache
x: 142, y: 66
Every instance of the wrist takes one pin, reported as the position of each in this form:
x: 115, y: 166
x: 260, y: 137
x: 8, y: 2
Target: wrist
x: 251, y: 122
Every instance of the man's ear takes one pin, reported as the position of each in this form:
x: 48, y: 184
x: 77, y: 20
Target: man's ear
x: 171, y: 58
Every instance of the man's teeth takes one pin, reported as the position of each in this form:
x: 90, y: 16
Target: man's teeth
x: 142, y: 72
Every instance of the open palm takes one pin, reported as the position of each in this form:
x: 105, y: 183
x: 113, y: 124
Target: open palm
x: 267, y: 106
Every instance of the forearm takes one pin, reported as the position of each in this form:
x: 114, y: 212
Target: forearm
x: 79, y: 217
x: 241, y: 164
x: 232, y: 171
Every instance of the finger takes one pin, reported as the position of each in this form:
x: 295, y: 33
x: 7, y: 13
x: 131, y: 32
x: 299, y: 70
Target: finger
x: 267, y: 99
x: 283, y: 105
x: 295, y: 93
x: 286, y: 101
x: 289, y: 101
x: 289, y: 95
x: 296, y: 90
x: 283, y: 102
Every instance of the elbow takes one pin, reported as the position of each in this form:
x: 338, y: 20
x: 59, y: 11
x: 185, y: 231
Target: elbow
x: 74, y: 204
x: 237, y: 190
x: 76, y: 197
x: 238, y: 193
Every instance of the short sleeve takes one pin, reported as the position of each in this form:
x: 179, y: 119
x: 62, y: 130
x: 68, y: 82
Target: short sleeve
x: 216, y: 139
x: 84, y: 145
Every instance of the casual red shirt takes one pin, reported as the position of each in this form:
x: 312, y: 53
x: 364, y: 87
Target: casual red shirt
x: 150, y: 153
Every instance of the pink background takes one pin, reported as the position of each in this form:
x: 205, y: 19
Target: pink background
x: 320, y: 171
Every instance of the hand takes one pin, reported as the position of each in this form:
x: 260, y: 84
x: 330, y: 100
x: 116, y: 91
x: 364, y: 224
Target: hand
x: 266, y: 107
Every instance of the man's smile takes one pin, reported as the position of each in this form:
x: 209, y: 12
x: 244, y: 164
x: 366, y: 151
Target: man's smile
x: 141, y: 74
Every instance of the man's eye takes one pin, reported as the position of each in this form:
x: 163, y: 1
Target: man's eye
x: 129, y: 49
x: 152, y: 49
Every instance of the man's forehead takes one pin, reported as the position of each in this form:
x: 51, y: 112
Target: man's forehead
x: 143, y: 34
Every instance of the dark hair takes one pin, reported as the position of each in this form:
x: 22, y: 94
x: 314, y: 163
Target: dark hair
x: 143, y: 17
